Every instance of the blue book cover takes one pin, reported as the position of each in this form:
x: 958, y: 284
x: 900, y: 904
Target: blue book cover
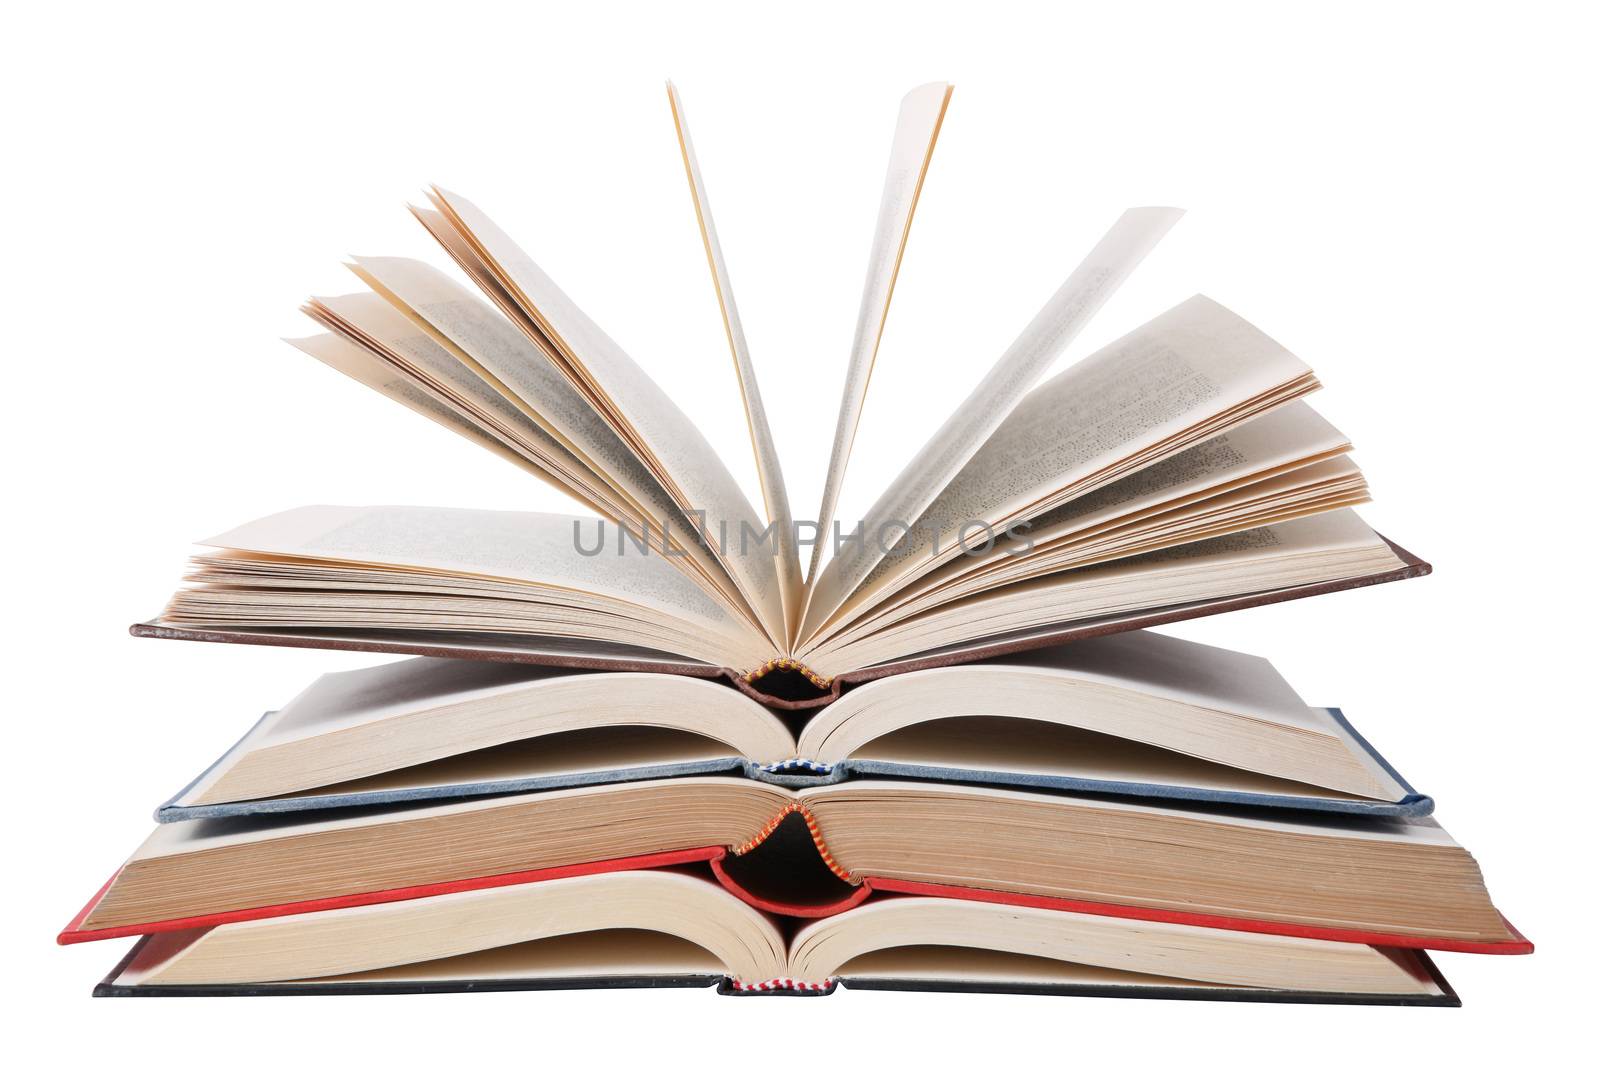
x: 1138, y: 716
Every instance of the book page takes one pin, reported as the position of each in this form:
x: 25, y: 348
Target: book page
x: 1425, y: 832
x: 342, y: 699
x: 404, y: 340
x: 638, y: 410
x: 1308, y: 489
x: 1188, y: 367
x: 1185, y: 672
x: 357, y: 363
x: 1100, y: 274
x: 530, y: 547
x: 518, y: 374
x: 1330, y: 547
x: 372, y: 320
x: 921, y: 113
x: 1205, y: 475
x: 1023, y: 742
x: 494, y: 350
x: 553, y: 699
x: 770, y: 471
x: 1283, y: 439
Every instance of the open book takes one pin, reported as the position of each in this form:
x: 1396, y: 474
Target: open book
x: 1131, y: 715
x: 1175, y: 472
x: 671, y: 927
x: 828, y: 849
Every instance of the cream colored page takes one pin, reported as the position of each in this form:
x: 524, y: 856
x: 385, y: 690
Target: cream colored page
x: 343, y: 941
x: 1186, y: 953
x: 519, y: 366
x: 374, y: 316
x: 1050, y: 741
x: 693, y: 472
x: 1308, y: 489
x: 1426, y: 831
x: 1288, y: 436
x: 502, y: 350
x: 344, y: 699
x: 1188, y: 365
x: 1100, y: 274
x: 1183, y: 671
x: 921, y: 114
x: 768, y: 468
x: 943, y: 963
x: 549, y: 698
x: 583, y: 955
x: 357, y: 363
x: 1329, y: 546
x: 203, y: 835
x: 520, y: 546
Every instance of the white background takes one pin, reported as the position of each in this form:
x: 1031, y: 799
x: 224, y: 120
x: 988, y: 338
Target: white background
x: 1403, y: 194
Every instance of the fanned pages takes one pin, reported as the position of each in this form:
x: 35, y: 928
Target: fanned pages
x: 636, y: 407
x: 1182, y: 377
x: 1290, y: 461
x: 432, y: 572
x: 417, y: 563
x: 391, y: 335
x: 643, y: 746
x: 916, y: 130
x: 360, y: 364
x: 768, y: 468
x: 1107, y: 266
x: 1175, y: 472
x: 594, y: 464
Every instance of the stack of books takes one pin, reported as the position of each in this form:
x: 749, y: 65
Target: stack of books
x: 652, y: 749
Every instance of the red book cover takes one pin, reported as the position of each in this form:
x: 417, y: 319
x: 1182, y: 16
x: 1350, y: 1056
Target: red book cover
x: 849, y: 896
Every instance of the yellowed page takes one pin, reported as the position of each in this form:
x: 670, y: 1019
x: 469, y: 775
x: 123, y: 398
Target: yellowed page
x: 638, y: 410
x: 921, y: 113
x: 1100, y: 274
x: 357, y: 363
x: 768, y: 468
x: 534, y: 548
x: 1246, y: 464
x: 406, y: 341
x: 493, y: 352
x: 1187, y: 367
x: 1321, y: 548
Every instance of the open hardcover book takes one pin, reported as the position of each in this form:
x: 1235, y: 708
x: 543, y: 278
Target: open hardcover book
x: 675, y: 928
x: 824, y: 850
x: 1174, y: 473
x: 1136, y: 715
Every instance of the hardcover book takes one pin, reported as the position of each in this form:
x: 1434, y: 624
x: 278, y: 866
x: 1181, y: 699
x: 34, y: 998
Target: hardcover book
x: 1176, y: 472
x: 1134, y: 715
x: 665, y: 745
x: 814, y: 851
x: 672, y: 928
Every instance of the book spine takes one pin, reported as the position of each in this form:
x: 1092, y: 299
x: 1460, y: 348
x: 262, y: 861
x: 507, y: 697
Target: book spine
x: 798, y: 808
x: 796, y: 764
x: 784, y: 663
x: 732, y: 987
